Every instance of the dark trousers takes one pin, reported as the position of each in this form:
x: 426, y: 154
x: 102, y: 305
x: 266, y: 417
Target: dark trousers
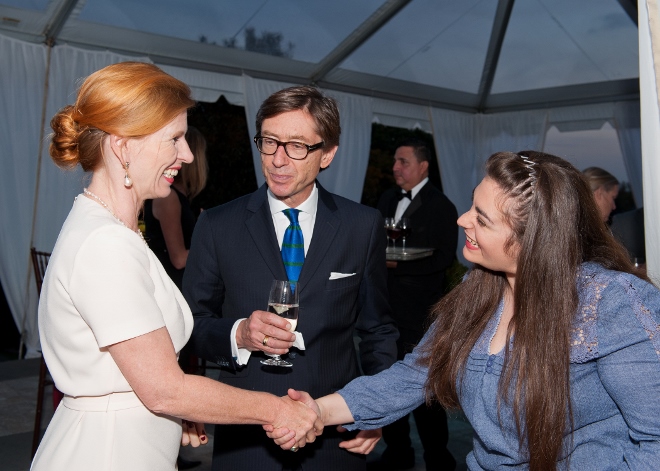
x: 431, y: 424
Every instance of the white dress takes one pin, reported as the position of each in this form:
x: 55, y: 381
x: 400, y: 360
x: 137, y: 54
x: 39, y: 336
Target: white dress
x: 104, y: 285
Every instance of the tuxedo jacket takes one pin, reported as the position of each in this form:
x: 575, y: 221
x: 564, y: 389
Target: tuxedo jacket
x: 414, y: 286
x: 233, y: 259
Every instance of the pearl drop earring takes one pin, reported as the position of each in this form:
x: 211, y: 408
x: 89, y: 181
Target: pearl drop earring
x: 127, y: 179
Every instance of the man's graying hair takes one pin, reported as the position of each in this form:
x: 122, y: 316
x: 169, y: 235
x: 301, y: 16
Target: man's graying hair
x: 322, y: 108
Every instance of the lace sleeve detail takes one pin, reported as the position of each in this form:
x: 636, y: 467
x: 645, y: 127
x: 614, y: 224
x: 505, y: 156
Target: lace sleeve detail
x: 592, y: 283
x: 584, y: 336
x: 643, y: 313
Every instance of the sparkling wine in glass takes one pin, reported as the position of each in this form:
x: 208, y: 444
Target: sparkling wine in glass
x: 283, y: 301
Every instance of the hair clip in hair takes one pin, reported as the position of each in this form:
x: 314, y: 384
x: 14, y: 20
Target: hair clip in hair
x: 531, y: 171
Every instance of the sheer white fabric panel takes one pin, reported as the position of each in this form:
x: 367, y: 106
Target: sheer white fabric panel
x: 209, y: 86
x: 22, y: 96
x: 464, y: 142
x: 624, y: 116
x: 512, y: 132
x: 256, y: 91
x: 401, y: 115
x: 57, y: 187
x: 455, y: 137
x: 22, y: 77
x: 627, y: 124
x: 345, y: 176
x: 649, y: 62
x: 584, y: 113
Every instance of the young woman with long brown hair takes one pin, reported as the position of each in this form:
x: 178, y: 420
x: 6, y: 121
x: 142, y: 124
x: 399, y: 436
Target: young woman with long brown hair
x: 550, y: 346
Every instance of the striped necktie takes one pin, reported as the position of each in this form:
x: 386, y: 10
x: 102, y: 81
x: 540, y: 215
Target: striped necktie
x: 293, y: 247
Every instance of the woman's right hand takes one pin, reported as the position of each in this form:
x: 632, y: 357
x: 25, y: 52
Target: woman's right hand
x: 293, y: 426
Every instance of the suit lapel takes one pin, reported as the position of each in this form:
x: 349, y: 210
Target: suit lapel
x: 325, y: 229
x: 260, y: 225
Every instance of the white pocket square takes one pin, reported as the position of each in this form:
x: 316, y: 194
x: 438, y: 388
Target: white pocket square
x: 335, y: 275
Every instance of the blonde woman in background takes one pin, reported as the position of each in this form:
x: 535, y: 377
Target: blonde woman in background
x: 605, y: 187
x: 170, y: 221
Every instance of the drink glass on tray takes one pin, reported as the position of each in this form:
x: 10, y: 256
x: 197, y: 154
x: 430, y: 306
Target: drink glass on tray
x: 393, y: 231
x: 404, y: 227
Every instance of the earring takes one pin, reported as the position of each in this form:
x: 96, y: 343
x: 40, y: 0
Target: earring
x: 127, y: 179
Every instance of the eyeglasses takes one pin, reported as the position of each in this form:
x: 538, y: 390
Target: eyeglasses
x: 294, y: 149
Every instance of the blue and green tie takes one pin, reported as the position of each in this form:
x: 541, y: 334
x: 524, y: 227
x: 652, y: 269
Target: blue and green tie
x: 293, y: 247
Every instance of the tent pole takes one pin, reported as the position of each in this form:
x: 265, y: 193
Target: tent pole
x: 50, y: 43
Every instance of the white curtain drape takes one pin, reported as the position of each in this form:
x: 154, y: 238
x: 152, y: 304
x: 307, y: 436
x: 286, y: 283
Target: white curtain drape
x: 345, y: 176
x: 346, y: 173
x: 628, y: 129
x: 401, y: 115
x: 649, y: 83
x: 209, y: 86
x: 22, y: 85
x: 22, y: 81
x: 256, y: 91
x: 465, y: 141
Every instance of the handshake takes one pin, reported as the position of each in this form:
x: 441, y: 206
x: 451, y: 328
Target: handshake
x: 302, y: 419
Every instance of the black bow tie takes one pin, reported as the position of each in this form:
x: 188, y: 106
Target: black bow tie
x: 407, y: 194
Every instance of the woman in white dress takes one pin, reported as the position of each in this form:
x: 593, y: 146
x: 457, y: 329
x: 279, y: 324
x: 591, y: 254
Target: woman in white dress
x: 111, y: 320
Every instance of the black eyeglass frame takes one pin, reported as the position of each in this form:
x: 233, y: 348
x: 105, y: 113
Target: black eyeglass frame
x: 311, y: 148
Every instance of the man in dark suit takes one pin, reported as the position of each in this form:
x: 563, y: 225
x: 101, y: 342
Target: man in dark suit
x: 234, y: 257
x: 414, y: 287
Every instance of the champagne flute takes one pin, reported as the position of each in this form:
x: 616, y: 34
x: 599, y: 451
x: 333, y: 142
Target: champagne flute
x: 404, y: 226
x: 283, y: 301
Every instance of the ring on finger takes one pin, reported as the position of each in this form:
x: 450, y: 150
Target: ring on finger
x: 264, y: 342
x: 294, y: 448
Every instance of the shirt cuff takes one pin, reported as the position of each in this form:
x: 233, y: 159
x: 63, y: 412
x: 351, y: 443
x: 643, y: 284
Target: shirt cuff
x: 241, y: 355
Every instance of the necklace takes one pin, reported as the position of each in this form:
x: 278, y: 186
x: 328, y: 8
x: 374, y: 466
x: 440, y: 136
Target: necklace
x: 102, y: 203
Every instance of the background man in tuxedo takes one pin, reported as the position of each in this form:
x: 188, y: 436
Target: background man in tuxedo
x: 235, y: 255
x: 414, y: 286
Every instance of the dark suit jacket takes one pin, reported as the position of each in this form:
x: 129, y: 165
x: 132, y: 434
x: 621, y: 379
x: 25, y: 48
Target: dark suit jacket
x: 414, y: 286
x: 233, y: 259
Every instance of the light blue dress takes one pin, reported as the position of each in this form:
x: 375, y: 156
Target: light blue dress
x: 615, y: 384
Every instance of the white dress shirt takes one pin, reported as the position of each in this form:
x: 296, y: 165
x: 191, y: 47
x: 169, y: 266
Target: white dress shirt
x: 405, y: 202
x: 306, y: 220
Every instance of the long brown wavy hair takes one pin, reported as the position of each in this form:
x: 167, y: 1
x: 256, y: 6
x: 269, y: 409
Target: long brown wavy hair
x: 556, y: 226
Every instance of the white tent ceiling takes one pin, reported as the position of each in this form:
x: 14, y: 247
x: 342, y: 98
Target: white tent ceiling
x: 468, y: 55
